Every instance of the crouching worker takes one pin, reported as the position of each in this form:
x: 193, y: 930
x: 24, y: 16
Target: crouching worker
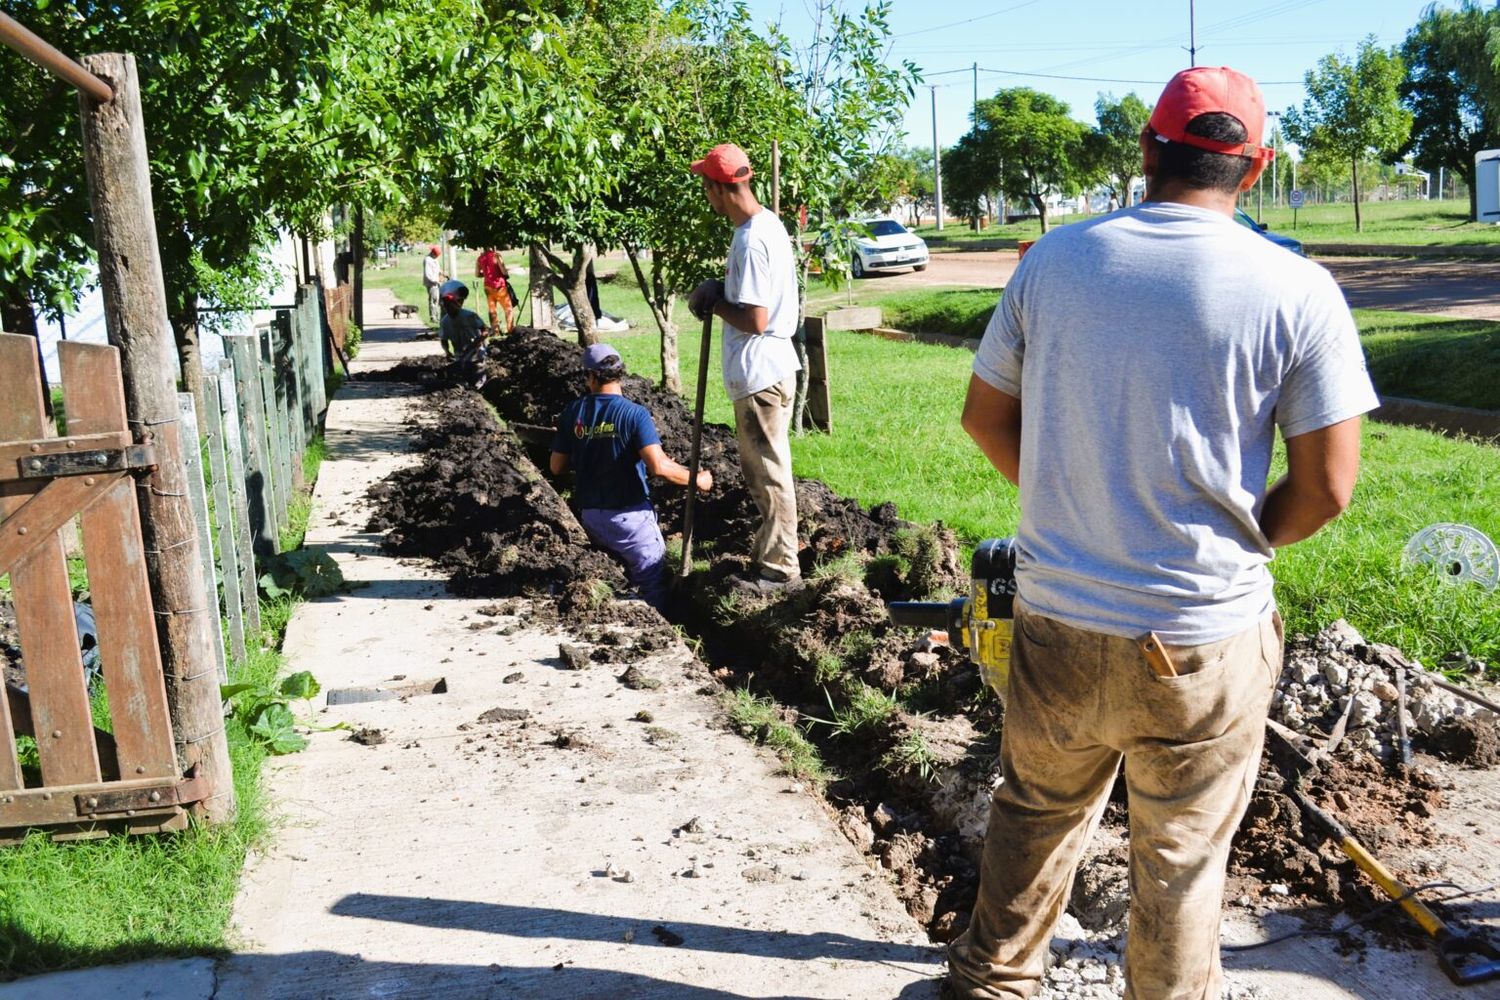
x: 462, y: 333
x: 611, y: 445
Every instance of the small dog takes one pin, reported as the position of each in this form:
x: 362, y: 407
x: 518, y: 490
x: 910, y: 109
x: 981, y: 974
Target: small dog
x: 397, y: 312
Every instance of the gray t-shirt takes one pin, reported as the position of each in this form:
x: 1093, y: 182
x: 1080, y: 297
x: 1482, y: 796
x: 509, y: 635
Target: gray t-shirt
x: 761, y: 272
x: 1155, y: 350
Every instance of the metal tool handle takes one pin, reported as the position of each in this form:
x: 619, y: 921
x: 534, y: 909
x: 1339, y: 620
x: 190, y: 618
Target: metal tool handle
x: 695, y: 453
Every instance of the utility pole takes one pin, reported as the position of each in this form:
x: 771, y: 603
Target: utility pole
x: 1275, y: 117
x: 1192, y: 35
x: 937, y: 163
x: 976, y: 93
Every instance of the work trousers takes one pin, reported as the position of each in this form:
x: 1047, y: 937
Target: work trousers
x: 1077, y: 703
x: 761, y: 422
x: 434, y: 310
x: 633, y: 534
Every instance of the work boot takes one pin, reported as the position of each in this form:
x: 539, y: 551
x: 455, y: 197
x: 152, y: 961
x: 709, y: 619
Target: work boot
x: 766, y: 585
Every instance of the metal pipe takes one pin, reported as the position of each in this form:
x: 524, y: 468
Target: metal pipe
x: 18, y: 37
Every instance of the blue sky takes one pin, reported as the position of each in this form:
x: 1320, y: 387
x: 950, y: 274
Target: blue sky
x: 1275, y: 41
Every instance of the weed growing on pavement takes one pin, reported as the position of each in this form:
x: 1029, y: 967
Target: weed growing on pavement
x: 761, y: 720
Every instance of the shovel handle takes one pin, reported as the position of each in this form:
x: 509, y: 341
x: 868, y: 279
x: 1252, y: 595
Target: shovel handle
x: 695, y: 453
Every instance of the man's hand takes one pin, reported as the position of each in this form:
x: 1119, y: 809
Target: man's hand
x: 703, y: 299
x: 705, y: 480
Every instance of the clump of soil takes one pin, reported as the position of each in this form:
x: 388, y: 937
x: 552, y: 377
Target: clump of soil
x: 1276, y: 842
x: 1471, y: 741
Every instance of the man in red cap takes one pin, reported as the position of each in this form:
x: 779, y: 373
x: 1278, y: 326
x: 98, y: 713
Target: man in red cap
x: 432, y: 278
x: 1138, y: 421
x: 757, y: 300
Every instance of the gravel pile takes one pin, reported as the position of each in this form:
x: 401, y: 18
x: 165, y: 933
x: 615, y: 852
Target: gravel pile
x: 1337, y: 674
x: 1090, y: 966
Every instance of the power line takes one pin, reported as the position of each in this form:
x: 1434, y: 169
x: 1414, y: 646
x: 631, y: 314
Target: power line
x: 970, y: 20
x: 1102, y: 79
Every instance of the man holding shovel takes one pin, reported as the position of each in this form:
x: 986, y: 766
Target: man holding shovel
x: 611, y: 444
x: 757, y: 300
x: 1138, y: 420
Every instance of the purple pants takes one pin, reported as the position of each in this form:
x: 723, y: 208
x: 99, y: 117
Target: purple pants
x: 634, y: 536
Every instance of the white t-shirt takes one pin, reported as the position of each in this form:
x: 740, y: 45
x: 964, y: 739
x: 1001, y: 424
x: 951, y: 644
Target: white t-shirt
x: 431, y: 271
x: 1155, y: 350
x: 761, y: 272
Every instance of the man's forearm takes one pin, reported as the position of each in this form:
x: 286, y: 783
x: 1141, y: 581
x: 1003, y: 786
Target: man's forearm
x: 750, y: 319
x: 1289, y: 515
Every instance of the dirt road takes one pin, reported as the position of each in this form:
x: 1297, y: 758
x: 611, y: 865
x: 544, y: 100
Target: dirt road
x: 1468, y: 289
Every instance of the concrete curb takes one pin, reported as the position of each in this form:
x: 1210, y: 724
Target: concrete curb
x: 1451, y: 420
x: 1473, y: 251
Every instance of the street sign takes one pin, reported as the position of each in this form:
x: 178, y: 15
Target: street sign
x: 1298, y: 199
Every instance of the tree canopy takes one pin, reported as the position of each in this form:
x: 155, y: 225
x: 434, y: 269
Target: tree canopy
x: 1452, y: 88
x: 1028, y: 143
x: 1353, y: 110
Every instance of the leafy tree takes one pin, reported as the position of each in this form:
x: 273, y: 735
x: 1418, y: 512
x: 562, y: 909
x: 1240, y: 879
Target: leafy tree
x: 1031, y: 143
x: 1452, y: 89
x: 256, y: 117
x: 970, y: 176
x: 1114, y: 146
x: 1353, y: 110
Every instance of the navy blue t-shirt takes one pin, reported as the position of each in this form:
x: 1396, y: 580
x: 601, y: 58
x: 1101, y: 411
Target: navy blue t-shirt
x: 603, y: 436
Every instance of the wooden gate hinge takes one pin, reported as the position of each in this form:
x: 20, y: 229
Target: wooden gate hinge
x: 131, y: 458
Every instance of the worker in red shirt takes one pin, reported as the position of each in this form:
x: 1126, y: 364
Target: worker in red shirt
x: 491, y: 268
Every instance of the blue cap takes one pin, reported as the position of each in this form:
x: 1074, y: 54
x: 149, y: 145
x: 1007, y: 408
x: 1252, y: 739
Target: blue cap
x: 600, y: 356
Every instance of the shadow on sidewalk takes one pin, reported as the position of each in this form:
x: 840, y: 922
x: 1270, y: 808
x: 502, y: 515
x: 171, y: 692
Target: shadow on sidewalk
x: 543, y: 922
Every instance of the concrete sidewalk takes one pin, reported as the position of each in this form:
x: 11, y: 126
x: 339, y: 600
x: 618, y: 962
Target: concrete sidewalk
x: 570, y: 853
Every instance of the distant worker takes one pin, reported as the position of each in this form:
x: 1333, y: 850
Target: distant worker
x: 757, y: 300
x: 462, y: 334
x: 1138, y: 421
x: 432, y: 278
x: 611, y: 445
x: 491, y: 269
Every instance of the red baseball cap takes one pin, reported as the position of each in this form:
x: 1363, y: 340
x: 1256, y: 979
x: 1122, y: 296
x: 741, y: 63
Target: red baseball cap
x: 725, y: 163
x: 1206, y: 90
x: 434, y: 249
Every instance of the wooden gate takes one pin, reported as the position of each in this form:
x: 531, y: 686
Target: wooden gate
x: 101, y: 759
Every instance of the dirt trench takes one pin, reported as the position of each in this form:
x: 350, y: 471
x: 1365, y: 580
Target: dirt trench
x: 907, y: 729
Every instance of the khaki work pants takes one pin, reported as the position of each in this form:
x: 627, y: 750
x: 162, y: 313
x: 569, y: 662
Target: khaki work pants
x: 1077, y: 703
x: 761, y: 422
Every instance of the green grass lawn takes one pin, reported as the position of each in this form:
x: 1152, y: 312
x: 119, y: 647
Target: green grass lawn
x: 896, y: 437
x: 1436, y: 358
x: 1413, y: 223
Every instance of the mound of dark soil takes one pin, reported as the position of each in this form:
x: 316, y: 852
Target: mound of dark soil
x: 477, y: 506
x: 534, y: 376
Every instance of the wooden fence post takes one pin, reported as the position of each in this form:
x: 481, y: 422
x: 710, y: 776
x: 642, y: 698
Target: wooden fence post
x: 238, y: 480
x: 260, y: 500
x: 275, y: 429
x: 229, y: 555
x: 197, y: 486
x: 135, y: 310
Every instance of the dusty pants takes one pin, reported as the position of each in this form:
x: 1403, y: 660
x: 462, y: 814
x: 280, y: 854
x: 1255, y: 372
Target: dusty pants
x: 1077, y: 703
x: 761, y: 422
x: 433, y: 309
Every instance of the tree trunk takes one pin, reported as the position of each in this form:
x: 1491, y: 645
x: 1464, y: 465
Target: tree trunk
x: 659, y: 300
x: 17, y: 316
x: 575, y: 290
x: 189, y: 351
x: 1354, y: 177
x: 1041, y: 209
x: 1468, y: 178
x: 540, y: 291
x: 357, y: 251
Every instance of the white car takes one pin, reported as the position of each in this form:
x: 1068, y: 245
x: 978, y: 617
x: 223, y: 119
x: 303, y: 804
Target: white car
x: 890, y: 245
